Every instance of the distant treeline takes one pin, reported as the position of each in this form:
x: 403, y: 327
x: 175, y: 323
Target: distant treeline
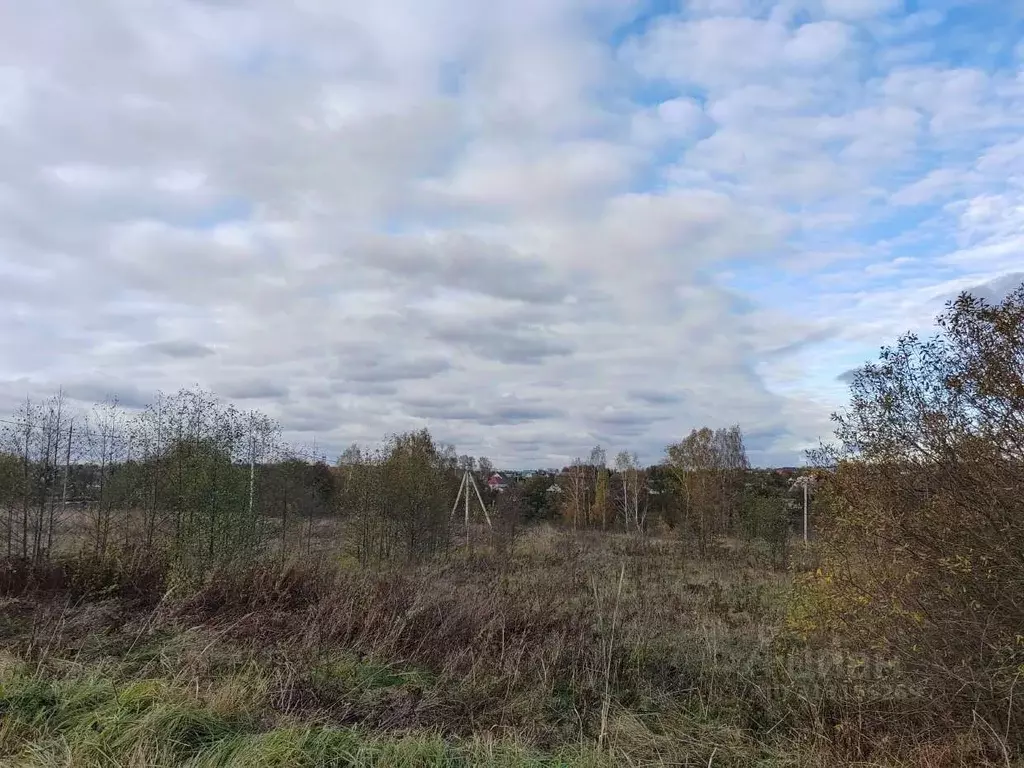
x: 193, y: 477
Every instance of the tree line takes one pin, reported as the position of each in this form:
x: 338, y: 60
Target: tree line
x: 195, y: 478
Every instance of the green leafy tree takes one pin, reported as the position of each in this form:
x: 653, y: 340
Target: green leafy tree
x: 539, y: 502
x: 400, y: 498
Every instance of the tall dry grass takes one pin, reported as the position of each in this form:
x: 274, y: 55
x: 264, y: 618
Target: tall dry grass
x: 622, y: 649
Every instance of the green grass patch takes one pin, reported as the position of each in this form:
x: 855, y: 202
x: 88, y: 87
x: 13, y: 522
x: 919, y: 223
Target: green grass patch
x: 361, y: 675
x: 92, y: 721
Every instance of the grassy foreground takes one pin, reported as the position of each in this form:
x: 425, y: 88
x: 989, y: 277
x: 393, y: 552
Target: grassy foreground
x: 575, y: 651
x: 95, y: 719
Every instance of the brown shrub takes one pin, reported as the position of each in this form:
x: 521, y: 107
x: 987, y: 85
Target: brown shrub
x: 924, y: 538
x: 86, y: 576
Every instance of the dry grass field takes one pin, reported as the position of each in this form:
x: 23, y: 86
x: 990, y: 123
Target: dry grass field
x: 573, y: 650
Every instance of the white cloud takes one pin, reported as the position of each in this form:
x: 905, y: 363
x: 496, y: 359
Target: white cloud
x: 937, y: 184
x: 818, y: 43
x: 89, y: 178
x: 678, y: 119
x: 510, y: 177
x: 728, y: 52
x: 487, y: 219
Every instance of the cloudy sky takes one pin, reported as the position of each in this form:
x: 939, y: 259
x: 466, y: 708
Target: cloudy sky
x: 530, y: 225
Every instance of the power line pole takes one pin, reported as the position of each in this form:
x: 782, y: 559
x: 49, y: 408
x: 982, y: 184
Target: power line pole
x: 463, y: 495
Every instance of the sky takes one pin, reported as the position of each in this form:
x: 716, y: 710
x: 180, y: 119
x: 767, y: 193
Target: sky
x: 530, y: 226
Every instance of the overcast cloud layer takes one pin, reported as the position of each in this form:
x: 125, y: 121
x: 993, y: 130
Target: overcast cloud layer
x: 531, y: 226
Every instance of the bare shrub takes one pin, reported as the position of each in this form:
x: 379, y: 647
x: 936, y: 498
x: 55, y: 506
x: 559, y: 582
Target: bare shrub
x: 88, y: 577
x: 507, y: 522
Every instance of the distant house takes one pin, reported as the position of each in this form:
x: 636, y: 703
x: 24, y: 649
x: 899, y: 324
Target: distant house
x: 496, y: 483
x: 554, y: 488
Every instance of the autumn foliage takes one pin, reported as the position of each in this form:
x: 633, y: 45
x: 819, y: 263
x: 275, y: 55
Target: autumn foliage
x: 924, y: 545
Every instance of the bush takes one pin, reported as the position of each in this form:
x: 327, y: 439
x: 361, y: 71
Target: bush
x: 924, y: 540
x: 86, y: 576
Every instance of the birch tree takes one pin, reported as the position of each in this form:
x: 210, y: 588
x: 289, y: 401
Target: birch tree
x: 632, y: 491
x: 708, y: 468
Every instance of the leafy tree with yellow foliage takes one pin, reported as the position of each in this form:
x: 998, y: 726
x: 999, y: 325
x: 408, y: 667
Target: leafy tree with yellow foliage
x: 923, y: 543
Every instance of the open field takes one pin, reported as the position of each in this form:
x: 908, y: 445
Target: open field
x: 567, y: 383
x: 575, y: 650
